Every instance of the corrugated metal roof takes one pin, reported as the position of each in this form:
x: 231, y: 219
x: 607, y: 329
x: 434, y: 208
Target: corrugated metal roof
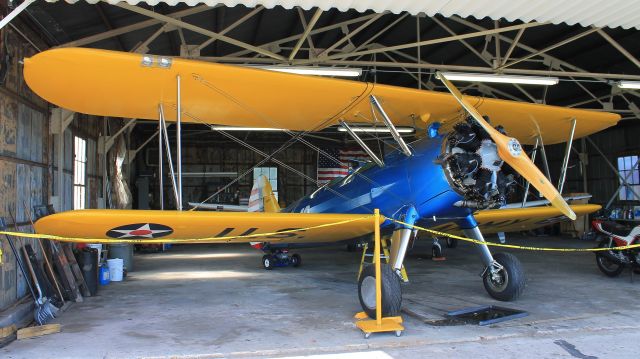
x: 608, y: 13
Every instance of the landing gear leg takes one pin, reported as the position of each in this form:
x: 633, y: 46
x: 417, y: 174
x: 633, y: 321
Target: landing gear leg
x: 503, y: 275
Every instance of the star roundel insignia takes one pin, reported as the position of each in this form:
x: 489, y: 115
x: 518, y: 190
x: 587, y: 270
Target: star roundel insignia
x: 140, y: 231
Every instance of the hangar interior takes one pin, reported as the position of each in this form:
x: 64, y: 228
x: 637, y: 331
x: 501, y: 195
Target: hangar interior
x: 217, y: 300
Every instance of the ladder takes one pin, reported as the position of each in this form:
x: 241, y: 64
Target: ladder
x: 385, y: 255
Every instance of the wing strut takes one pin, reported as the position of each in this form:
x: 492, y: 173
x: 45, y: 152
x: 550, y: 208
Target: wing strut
x: 364, y: 146
x: 375, y: 105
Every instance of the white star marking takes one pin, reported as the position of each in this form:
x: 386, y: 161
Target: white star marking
x: 127, y: 233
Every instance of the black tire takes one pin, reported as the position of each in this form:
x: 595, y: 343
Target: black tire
x: 452, y: 242
x: 391, y: 291
x: 512, y: 278
x: 268, y: 262
x: 296, y: 260
x: 436, y: 251
x: 606, y: 266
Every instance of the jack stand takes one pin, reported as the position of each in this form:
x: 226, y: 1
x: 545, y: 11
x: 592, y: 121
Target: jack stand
x: 385, y: 249
x: 380, y: 324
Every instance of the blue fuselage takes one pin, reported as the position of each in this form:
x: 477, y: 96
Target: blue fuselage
x: 417, y: 181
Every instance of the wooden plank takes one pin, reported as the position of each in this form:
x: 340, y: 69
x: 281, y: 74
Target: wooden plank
x: 7, y: 331
x: 37, y: 331
x: 76, y: 270
x: 63, y: 267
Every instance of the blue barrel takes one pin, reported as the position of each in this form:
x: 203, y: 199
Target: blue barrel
x: 104, y: 275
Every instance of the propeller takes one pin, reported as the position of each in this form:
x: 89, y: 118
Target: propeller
x: 510, y: 151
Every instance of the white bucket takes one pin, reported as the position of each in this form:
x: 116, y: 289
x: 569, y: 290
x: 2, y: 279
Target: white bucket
x: 115, y: 269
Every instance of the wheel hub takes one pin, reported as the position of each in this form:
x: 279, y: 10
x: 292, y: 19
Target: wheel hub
x: 368, y: 292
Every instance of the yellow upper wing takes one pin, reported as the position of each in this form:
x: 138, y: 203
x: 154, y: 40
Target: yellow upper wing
x: 108, y: 83
x: 216, y: 227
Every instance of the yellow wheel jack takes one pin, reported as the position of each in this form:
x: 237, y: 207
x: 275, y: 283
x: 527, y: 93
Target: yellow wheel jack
x: 380, y: 324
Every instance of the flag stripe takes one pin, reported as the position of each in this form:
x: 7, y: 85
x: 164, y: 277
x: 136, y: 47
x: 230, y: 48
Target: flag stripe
x: 337, y: 163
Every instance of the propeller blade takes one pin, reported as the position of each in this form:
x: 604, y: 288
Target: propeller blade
x: 511, y: 152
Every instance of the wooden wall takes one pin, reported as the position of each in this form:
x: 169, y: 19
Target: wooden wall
x: 24, y: 156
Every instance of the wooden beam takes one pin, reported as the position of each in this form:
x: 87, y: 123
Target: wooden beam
x: 37, y: 331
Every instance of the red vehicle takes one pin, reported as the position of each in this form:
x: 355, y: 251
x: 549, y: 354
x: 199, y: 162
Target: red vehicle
x: 611, y: 235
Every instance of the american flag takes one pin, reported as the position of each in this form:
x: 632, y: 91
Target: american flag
x: 337, y: 165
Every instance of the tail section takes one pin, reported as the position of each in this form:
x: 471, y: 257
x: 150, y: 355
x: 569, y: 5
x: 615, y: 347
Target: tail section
x: 262, y: 198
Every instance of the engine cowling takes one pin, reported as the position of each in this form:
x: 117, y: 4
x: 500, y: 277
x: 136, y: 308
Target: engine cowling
x: 474, y: 168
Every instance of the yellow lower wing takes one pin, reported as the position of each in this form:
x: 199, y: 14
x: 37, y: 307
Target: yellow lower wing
x: 204, y: 227
x: 520, y: 219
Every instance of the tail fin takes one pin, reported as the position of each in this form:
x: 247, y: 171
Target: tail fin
x: 262, y: 198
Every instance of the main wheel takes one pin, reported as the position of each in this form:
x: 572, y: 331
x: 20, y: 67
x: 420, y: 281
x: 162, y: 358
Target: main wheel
x: 452, y: 242
x: 508, y: 283
x: 391, y: 291
x: 606, y: 265
x: 296, y: 260
x: 268, y: 261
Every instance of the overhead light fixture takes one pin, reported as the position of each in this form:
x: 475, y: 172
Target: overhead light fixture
x: 507, y: 79
x: 318, y: 71
x: 233, y: 128
x: 378, y: 129
x: 628, y: 84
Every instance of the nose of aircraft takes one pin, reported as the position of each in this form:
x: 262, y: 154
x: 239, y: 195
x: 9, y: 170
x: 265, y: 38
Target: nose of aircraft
x: 510, y: 151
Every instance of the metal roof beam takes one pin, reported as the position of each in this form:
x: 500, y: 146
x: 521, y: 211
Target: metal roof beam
x: 133, y: 27
x: 466, y: 44
x: 199, y: 30
x: 619, y: 47
x: 304, y: 25
x: 549, y: 48
x: 429, y: 42
x: 351, y: 34
x: 237, y: 23
x: 512, y: 47
x: 314, y: 32
x: 306, y: 32
x: 383, y: 31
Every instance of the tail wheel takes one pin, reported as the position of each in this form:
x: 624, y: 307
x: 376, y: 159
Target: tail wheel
x: 268, y: 261
x: 391, y: 291
x: 606, y: 265
x: 296, y: 260
x: 436, y: 250
x: 507, y: 283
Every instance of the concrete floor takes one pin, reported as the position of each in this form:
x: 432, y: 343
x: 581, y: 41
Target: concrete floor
x: 217, y: 301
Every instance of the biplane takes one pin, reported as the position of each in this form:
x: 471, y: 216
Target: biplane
x: 463, y: 166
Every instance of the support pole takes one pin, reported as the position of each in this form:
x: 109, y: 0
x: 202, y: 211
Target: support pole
x: 364, y: 146
x: 380, y: 324
x: 533, y: 160
x: 166, y: 144
x: 387, y: 121
x: 567, y: 152
x: 179, y: 142
x: 160, y: 169
x: 544, y: 158
x: 376, y: 258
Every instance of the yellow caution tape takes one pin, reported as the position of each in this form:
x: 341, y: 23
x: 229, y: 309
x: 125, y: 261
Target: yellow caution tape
x: 513, y: 246
x: 175, y: 240
x: 258, y: 235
